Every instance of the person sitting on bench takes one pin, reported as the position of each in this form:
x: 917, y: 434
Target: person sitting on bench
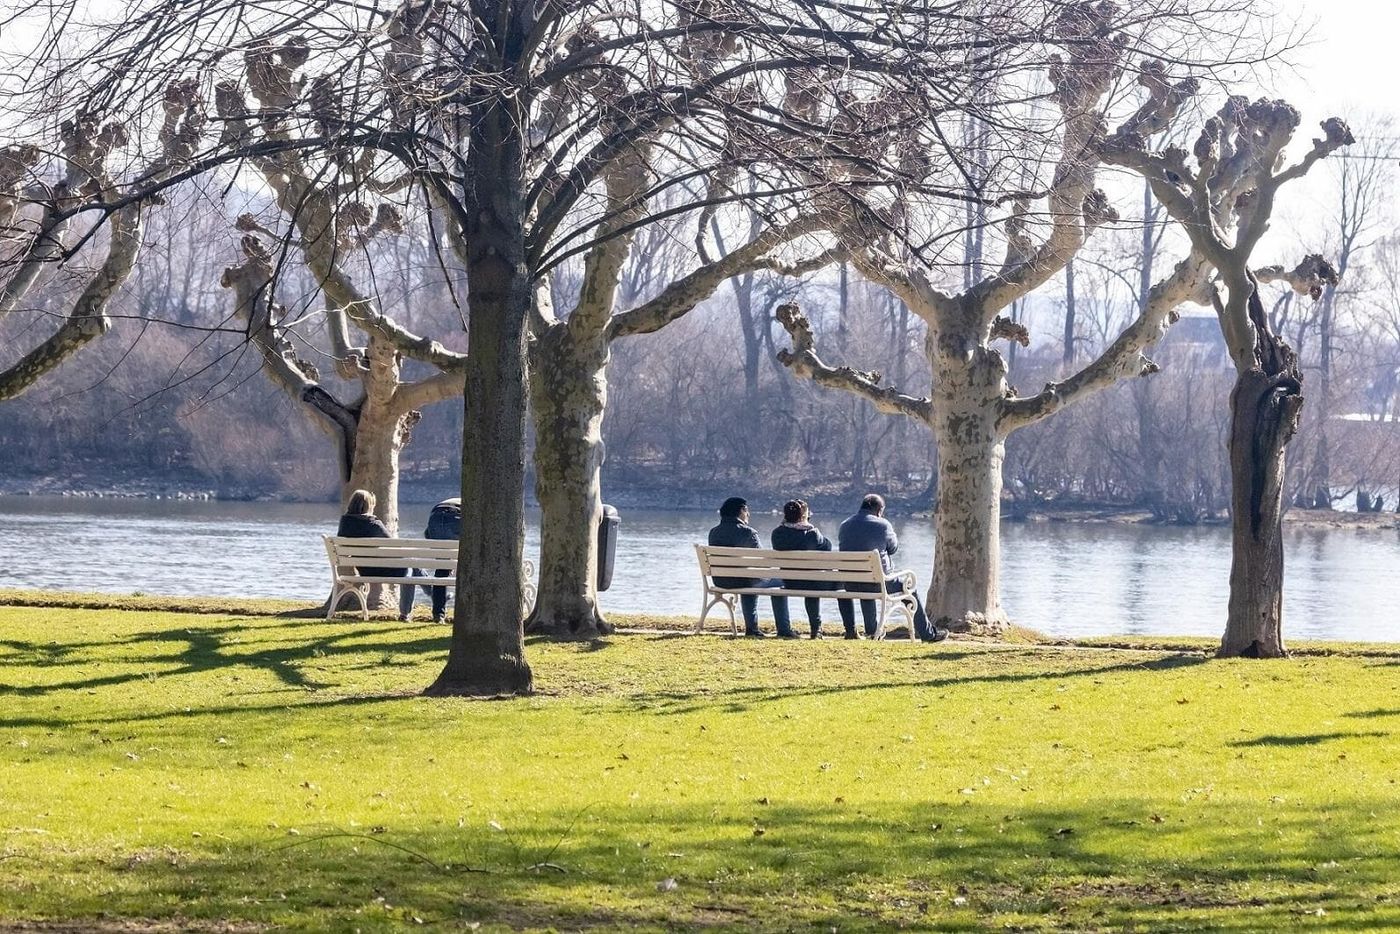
x: 797, y: 533
x: 734, y: 531
x: 359, y: 521
x: 444, y: 523
x: 869, y: 530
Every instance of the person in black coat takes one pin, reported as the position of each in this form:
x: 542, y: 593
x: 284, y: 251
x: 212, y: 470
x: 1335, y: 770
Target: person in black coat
x: 734, y: 531
x: 445, y: 523
x: 798, y: 534
x: 359, y: 521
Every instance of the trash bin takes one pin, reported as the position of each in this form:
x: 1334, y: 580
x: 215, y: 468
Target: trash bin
x: 607, y: 545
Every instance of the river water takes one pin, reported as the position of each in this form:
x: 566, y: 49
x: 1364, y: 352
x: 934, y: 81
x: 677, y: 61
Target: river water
x: 1061, y: 578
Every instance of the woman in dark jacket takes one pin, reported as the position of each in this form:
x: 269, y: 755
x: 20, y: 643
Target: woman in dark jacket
x: 797, y: 533
x: 359, y: 521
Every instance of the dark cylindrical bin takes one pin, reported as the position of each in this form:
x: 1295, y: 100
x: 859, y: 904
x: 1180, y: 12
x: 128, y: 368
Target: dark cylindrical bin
x: 607, y: 545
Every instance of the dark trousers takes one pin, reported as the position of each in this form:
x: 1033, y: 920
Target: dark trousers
x: 871, y: 613
x: 748, y: 603
x: 813, y: 606
x: 438, y: 595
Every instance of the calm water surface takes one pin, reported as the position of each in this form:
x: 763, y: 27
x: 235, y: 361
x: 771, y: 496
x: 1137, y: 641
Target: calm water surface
x: 1060, y: 578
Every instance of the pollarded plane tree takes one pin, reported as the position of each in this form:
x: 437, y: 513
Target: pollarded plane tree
x: 75, y: 201
x: 332, y: 205
x: 972, y: 408
x: 463, y: 96
x: 1224, y: 203
x: 773, y: 157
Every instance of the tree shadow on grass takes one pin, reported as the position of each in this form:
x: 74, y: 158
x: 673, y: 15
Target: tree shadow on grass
x: 1102, y: 864
x: 1306, y: 739
x: 740, y: 699
x: 1378, y: 712
x: 201, y: 650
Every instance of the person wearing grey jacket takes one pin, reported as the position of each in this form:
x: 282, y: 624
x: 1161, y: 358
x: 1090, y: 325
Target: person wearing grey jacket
x: 798, y: 534
x: 869, y: 530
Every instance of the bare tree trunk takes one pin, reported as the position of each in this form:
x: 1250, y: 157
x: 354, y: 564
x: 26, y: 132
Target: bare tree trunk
x: 1265, y: 407
x: 568, y: 392
x: 487, y: 655
x: 965, y: 593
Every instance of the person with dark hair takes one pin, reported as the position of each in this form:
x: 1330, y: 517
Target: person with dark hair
x: 734, y: 531
x: 869, y: 530
x: 797, y: 533
x: 445, y: 523
x: 360, y: 521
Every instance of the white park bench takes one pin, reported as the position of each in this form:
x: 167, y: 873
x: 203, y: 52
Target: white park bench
x: 836, y: 569
x: 425, y: 554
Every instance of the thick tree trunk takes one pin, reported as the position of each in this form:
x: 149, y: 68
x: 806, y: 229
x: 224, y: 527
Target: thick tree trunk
x: 568, y: 392
x: 487, y: 656
x: 965, y: 594
x: 1264, y: 414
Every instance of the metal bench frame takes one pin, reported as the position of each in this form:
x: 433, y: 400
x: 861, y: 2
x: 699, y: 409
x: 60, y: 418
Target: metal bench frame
x: 424, y: 554
x: 839, y: 568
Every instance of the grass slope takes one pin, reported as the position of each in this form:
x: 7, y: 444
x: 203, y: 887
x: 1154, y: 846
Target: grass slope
x: 172, y: 771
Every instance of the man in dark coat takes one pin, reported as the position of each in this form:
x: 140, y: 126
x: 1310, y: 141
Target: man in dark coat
x: 869, y: 530
x: 797, y: 533
x: 444, y: 523
x: 734, y: 531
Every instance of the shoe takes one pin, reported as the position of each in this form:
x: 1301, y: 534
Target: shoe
x: 755, y: 634
x: 852, y: 635
x: 405, y: 617
x: 788, y: 635
x: 938, y: 636
x: 440, y: 618
x: 817, y: 634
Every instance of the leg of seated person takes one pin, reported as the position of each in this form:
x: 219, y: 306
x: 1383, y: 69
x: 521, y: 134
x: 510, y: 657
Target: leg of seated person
x: 813, y: 605
x: 439, y: 597
x: 872, y: 617
x: 749, y: 604
x: 848, y: 617
x: 781, y: 618
x: 406, y: 592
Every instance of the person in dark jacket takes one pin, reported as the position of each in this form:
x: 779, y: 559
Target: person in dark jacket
x: 797, y: 533
x: 869, y: 530
x: 359, y: 521
x: 444, y: 523
x: 734, y: 531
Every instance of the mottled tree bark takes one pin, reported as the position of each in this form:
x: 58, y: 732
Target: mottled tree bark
x: 969, y: 384
x: 487, y: 654
x: 568, y: 392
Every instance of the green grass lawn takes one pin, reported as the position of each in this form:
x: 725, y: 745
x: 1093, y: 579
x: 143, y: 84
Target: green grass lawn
x: 177, y: 770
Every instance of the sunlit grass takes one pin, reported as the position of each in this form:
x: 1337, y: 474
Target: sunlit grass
x: 276, y: 771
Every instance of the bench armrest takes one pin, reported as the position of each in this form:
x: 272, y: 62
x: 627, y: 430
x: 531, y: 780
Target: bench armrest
x: 906, y: 578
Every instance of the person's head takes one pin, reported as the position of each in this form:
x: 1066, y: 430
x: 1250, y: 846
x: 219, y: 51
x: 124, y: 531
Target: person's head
x: 796, y: 510
x: 361, y: 503
x: 873, y: 503
x: 736, y: 507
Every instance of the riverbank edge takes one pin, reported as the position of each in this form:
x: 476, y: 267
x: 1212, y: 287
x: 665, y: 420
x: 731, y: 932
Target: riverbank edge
x: 1012, y: 512
x: 629, y: 623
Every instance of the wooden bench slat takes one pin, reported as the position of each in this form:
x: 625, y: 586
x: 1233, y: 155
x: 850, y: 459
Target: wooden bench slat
x: 797, y: 574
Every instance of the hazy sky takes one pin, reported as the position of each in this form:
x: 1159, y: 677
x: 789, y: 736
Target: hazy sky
x: 1351, y: 61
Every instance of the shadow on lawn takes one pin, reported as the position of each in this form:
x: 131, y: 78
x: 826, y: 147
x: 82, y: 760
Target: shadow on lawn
x: 205, y: 649
x: 1111, y: 863
x: 738, y: 700
x: 1306, y: 739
